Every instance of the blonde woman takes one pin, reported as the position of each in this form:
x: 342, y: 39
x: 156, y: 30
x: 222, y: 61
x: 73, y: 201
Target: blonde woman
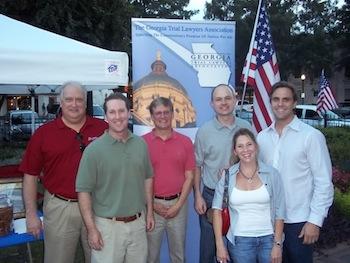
x: 256, y: 206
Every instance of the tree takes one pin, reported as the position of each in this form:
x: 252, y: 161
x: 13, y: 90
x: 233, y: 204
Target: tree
x: 300, y: 30
x: 244, y: 13
x: 341, y: 34
x: 100, y: 23
x: 162, y: 9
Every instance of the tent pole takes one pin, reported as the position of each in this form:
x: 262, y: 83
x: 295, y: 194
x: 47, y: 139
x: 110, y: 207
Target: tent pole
x: 89, y: 103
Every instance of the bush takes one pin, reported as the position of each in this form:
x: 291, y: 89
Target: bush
x: 341, y: 180
x: 336, y: 227
x: 11, y: 150
x: 338, y: 141
x: 342, y: 202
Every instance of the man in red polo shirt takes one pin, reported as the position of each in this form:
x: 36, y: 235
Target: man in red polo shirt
x: 54, y: 153
x: 173, y: 161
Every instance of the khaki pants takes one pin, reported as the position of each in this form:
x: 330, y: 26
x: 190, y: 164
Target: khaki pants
x: 123, y: 242
x: 63, y: 226
x: 175, y: 229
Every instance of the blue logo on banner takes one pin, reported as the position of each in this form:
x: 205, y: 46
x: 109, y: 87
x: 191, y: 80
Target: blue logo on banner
x: 112, y: 68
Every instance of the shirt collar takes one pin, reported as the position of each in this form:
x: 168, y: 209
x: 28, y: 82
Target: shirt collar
x: 61, y: 125
x: 110, y: 140
x: 294, y: 125
x: 173, y: 135
x: 218, y: 125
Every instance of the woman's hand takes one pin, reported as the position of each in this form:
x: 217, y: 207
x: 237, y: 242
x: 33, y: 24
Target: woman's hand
x: 222, y: 254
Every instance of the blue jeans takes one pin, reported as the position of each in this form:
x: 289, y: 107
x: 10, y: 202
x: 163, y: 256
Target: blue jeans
x: 294, y: 251
x: 207, y: 248
x: 251, y: 249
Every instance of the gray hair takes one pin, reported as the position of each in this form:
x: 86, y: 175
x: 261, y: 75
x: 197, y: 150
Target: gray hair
x: 73, y: 84
x: 161, y: 101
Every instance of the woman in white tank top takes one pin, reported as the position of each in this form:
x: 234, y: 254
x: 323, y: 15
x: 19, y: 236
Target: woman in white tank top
x: 256, y: 206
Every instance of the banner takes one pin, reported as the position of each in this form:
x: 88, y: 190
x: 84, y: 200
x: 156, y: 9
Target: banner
x: 181, y: 60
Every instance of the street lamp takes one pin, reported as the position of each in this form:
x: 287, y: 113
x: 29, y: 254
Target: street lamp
x: 302, y: 95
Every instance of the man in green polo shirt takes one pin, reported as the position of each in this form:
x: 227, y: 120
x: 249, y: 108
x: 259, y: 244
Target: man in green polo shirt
x: 114, y: 184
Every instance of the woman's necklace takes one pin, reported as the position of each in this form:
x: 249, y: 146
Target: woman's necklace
x: 249, y: 178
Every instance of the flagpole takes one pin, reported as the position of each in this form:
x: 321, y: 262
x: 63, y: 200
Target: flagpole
x: 251, y: 45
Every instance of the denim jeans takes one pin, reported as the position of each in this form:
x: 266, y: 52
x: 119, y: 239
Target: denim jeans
x: 294, y: 251
x: 251, y: 249
x: 207, y: 249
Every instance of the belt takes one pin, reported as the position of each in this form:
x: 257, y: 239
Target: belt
x: 126, y: 219
x: 64, y: 198
x: 168, y: 198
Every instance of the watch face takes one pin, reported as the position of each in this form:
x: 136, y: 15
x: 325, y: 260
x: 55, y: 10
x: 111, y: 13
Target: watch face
x: 278, y: 243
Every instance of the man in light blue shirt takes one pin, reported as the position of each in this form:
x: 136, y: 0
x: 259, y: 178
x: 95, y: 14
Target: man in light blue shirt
x: 213, y: 148
x: 299, y: 152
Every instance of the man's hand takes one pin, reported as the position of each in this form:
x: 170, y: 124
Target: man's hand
x: 149, y: 222
x: 310, y: 232
x: 199, y: 204
x: 95, y: 239
x: 34, y: 225
x: 172, y: 211
x: 160, y: 209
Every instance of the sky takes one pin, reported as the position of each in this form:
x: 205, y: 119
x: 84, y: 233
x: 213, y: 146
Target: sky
x: 197, y: 4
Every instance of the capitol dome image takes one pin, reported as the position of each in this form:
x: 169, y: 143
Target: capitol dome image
x: 159, y: 84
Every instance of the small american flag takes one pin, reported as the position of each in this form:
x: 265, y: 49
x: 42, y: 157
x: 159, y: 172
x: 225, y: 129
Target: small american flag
x: 263, y: 70
x: 325, y: 100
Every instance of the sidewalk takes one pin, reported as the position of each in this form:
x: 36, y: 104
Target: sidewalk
x: 338, y: 254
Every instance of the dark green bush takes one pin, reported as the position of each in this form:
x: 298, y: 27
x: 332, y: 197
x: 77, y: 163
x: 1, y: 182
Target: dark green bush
x: 12, y: 150
x: 336, y: 227
x: 338, y: 141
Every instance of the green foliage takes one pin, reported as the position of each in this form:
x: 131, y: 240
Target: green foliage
x: 341, y: 34
x: 102, y: 23
x: 342, y: 203
x: 11, y: 150
x: 162, y: 9
x: 98, y: 22
x: 307, y: 34
x: 338, y: 141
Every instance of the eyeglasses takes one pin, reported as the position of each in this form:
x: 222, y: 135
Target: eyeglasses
x: 158, y: 114
x: 82, y: 145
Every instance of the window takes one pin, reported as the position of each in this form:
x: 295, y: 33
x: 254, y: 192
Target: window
x: 313, y: 115
x: 298, y: 112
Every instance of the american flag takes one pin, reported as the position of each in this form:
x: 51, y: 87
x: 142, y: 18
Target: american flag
x: 325, y: 100
x: 263, y: 70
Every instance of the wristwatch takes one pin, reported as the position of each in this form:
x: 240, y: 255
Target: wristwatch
x: 278, y: 243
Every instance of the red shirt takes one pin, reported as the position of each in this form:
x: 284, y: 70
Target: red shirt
x: 54, y: 153
x: 170, y: 159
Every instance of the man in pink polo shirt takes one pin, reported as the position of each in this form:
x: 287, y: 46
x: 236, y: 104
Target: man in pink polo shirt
x: 173, y: 161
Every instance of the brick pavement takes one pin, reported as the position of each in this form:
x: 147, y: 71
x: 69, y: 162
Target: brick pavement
x: 338, y: 254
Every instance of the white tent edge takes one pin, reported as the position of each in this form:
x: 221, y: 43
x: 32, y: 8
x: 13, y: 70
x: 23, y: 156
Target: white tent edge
x: 27, y: 62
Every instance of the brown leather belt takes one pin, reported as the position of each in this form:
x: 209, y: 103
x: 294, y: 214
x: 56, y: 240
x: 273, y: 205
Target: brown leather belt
x: 168, y: 198
x: 126, y: 219
x: 64, y: 198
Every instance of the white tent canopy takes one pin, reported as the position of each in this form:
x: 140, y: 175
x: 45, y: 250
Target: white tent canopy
x: 30, y: 56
